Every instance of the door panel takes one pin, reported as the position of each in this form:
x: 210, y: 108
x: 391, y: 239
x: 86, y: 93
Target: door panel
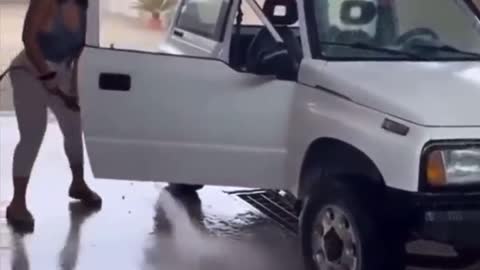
x: 182, y: 119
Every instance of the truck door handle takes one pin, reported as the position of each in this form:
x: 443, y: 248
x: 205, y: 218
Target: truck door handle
x: 114, y: 82
x: 178, y: 33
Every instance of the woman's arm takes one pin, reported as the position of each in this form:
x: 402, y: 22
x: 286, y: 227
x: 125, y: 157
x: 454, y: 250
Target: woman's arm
x: 37, y: 13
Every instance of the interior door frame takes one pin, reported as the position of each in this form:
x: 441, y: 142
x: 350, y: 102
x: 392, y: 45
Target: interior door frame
x: 93, y: 24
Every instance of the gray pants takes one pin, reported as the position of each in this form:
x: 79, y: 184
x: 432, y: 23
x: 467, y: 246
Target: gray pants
x: 31, y: 101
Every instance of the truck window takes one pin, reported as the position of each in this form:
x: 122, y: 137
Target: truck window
x: 128, y: 24
x: 249, y: 17
x: 459, y: 17
x: 204, y: 17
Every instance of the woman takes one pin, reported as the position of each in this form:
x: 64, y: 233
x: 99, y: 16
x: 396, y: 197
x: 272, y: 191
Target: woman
x: 44, y: 75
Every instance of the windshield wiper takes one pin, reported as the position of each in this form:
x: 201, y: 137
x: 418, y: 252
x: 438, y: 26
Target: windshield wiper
x: 365, y: 46
x: 446, y: 48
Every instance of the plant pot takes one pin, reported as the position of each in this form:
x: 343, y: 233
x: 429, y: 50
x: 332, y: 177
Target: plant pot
x: 155, y: 22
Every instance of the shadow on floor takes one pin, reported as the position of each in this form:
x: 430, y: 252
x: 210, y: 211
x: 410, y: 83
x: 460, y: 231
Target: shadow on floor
x: 69, y: 254
x: 440, y: 262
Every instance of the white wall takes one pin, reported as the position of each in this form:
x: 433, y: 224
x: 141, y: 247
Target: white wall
x: 123, y: 7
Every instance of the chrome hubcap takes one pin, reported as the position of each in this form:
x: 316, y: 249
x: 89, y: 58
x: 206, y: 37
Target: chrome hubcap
x: 334, y: 244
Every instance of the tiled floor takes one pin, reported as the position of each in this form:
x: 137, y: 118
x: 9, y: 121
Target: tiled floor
x: 141, y: 226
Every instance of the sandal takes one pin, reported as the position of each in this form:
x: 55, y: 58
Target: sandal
x: 24, y: 224
x: 88, y: 197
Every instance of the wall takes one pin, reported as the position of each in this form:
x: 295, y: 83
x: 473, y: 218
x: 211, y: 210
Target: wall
x: 123, y: 7
x: 12, y: 13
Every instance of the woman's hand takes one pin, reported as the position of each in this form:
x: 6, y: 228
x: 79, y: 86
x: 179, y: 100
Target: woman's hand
x: 51, y: 84
x: 72, y: 103
x: 52, y: 87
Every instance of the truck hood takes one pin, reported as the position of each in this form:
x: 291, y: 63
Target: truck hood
x: 427, y: 93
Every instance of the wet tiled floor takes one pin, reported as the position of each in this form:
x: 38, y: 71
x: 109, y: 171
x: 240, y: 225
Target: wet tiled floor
x: 140, y: 226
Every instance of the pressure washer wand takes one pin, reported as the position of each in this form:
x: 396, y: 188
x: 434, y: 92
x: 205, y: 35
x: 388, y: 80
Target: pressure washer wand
x: 70, y: 102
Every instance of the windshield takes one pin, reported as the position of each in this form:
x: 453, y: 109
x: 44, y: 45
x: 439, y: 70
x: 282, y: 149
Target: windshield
x: 393, y: 29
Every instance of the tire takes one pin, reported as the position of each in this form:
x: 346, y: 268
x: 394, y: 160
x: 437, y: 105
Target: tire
x: 468, y: 254
x: 184, y: 188
x: 374, y: 243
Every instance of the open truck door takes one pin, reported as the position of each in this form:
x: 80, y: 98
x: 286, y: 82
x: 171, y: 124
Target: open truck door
x: 181, y: 117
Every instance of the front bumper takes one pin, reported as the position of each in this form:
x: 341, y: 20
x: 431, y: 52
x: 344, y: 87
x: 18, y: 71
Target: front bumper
x: 452, y: 218
x: 458, y: 228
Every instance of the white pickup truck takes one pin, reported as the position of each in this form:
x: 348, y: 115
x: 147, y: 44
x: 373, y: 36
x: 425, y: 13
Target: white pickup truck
x: 366, y: 111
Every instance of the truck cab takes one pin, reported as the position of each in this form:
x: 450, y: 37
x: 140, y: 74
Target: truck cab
x: 365, y: 111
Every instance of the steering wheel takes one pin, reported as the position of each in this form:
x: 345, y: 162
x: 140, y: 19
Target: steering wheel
x: 406, y: 37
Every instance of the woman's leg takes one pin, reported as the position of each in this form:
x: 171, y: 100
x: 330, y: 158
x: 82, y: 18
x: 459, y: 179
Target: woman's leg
x: 70, y: 125
x: 30, y: 102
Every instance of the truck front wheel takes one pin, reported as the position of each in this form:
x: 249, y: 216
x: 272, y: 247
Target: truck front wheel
x: 341, y: 228
x: 468, y: 254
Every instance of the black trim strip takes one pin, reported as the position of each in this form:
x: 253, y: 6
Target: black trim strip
x: 332, y: 92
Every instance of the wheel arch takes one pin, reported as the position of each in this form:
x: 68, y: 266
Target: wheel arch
x: 334, y: 156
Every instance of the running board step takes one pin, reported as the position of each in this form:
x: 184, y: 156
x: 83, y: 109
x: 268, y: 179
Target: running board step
x: 273, y: 205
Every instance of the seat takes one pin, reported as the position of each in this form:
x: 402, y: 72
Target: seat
x: 264, y: 54
x: 357, y: 25
x: 374, y: 25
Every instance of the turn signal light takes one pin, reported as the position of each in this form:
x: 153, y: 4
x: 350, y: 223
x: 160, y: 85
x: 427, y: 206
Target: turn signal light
x: 436, y: 175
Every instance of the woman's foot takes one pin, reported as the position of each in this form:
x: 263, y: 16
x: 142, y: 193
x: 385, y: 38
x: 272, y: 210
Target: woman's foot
x: 79, y: 190
x: 20, y: 219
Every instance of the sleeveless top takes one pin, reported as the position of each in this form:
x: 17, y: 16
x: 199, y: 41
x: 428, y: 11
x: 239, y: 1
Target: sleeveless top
x: 60, y: 44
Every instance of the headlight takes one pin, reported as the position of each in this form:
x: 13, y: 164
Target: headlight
x: 453, y: 166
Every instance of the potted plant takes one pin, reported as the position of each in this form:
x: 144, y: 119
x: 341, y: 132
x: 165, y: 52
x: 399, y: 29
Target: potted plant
x: 155, y: 8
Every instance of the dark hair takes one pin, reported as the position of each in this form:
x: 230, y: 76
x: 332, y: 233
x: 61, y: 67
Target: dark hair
x: 82, y: 3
